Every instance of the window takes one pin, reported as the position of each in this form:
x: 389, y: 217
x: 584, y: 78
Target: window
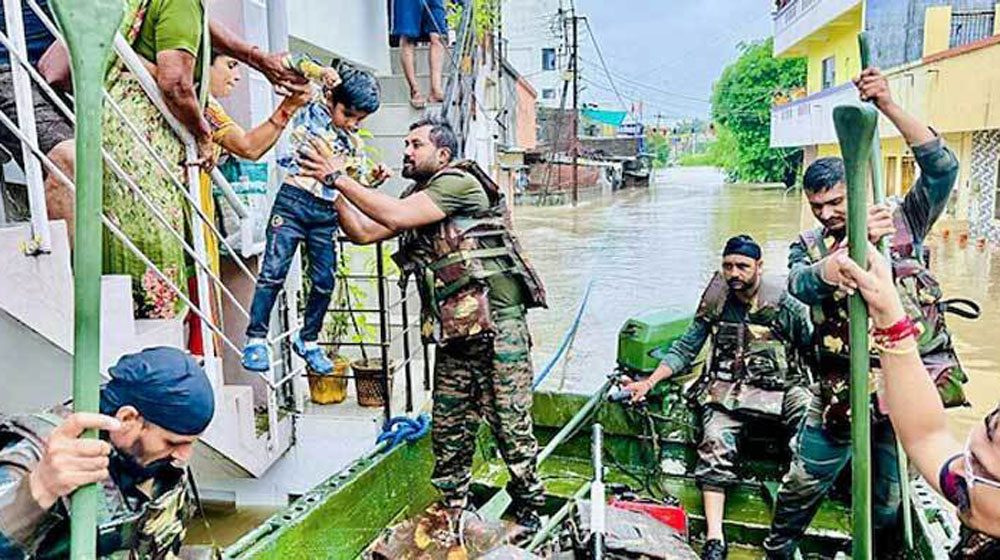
x: 548, y: 93
x: 548, y: 59
x: 829, y: 72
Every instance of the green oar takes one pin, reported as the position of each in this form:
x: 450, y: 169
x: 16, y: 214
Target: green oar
x: 856, y: 131
x: 89, y: 28
x: 878, y: 191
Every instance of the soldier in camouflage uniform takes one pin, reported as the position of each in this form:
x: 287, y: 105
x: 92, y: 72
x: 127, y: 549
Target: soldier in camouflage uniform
x: 753, y: 373
x: 154, y: 407
x: 475, y: 287
x: 814, y: 278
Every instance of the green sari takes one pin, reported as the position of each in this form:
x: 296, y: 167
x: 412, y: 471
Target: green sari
x: 152, y: 296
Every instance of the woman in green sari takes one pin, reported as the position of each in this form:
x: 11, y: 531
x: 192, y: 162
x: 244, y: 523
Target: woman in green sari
x: 175, y: 36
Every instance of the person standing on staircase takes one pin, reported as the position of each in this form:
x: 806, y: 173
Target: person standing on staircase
x: 753, y: 375
x: 304, y: 212
x: 155, y: 406
x: 414, y: 21
x: 475, y: 287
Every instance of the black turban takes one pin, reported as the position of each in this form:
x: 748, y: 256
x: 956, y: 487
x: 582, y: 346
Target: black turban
x: 742, y: 245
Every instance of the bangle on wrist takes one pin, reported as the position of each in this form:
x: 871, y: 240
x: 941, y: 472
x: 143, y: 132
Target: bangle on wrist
x: 898, y: 331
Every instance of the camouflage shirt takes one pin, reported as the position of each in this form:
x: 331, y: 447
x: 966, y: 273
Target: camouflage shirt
x: 793, y: 325
x: 921, y: 207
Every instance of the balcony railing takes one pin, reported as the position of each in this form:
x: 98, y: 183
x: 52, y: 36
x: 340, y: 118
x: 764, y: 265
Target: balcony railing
x: 969, y: 27
x: 809, y: 121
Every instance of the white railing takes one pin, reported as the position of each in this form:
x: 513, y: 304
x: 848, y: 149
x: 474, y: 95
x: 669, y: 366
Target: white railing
x: 188, y: 186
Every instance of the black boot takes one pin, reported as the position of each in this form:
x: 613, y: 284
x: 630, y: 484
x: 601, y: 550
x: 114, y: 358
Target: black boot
x: 714, y: 549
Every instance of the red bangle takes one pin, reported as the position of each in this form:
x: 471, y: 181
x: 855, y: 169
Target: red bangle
x: 897, y: 331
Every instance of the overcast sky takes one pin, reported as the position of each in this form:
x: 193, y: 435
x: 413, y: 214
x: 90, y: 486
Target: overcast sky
x: 665, y: 52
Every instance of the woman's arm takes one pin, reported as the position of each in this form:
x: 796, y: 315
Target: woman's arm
x: 914, y: 404
x: 253, y: 144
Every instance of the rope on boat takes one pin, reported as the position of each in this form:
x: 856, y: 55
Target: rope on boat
x: 566, y: 340
x: 404, y: 428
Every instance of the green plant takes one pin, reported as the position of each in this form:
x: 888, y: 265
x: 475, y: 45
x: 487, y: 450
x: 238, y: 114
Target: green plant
x: 345, y: 324
x: 484, y: 18
x: 741, y: 104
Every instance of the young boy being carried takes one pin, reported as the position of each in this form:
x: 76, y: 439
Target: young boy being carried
x: 303, y: 210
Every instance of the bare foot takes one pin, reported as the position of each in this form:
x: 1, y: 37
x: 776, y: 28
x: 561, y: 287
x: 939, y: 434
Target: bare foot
x: 436, y: 97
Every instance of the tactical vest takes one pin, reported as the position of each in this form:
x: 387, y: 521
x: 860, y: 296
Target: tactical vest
x: 153, y: 530
x: 922, y: 299
x: 453, y: 259
x: 749, y: 364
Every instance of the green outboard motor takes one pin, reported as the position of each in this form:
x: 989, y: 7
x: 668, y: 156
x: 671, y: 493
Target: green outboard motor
x: 644, y: 339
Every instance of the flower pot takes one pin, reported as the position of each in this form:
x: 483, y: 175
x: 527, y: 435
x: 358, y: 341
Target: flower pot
x: 368, y: 381
x: 332, y: 388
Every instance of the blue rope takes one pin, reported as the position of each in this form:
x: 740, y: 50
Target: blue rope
x: 404, y: 428
x: 566, y: 341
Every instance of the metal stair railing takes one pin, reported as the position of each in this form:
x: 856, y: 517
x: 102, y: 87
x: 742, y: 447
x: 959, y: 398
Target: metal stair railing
x: 196, y: 249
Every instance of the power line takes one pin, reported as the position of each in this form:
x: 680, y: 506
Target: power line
x: 607, y: 72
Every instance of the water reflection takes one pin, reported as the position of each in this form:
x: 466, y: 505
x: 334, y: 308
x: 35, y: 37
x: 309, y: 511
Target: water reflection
x: 656, y: 249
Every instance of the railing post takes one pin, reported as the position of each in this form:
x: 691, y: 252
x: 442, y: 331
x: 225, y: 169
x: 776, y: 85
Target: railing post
x: 383, y: 331
x: 41, y: 236
x: 406, y: 350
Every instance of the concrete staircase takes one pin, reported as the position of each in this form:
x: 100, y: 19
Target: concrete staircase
x: 392, y: 121
x: 36, y: 341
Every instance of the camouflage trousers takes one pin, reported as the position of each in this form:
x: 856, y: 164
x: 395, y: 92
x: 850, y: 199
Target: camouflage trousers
x: 721, y: 429
x: 819, y: 457
x: 488, y: 378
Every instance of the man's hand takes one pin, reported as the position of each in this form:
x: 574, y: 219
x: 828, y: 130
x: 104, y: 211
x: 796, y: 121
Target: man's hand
x: 880, y: 222
x: 875, y: 284
x: 639, y: 389
x: 872, y: 86
x: 316, y: 166
x: 272, y: 65
x: 69, y: 462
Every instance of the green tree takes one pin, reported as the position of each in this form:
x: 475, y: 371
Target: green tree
x: 659, y: 146
x: 741, y: 106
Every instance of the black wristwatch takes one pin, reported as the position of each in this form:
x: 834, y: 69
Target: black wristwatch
x: 330, y: 179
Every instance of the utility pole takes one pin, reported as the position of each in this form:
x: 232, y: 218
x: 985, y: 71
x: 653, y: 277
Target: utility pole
x: 576, y: 113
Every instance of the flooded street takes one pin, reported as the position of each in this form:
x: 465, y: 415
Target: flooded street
x: 656, y: 249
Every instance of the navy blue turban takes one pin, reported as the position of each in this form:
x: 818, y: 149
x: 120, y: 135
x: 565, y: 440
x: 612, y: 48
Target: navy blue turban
x: 742, y: 245
x: 166, y: 386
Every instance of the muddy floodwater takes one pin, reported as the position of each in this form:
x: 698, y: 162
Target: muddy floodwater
x: 654, y: 249
x: 649, y: 250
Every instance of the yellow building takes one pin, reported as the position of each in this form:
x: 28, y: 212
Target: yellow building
x: 944, y: 69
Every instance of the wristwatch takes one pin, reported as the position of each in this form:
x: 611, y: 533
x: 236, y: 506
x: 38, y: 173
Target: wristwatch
x: 330, y: 179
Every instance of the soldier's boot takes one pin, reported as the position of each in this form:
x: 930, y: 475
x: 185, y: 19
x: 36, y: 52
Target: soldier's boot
x: 714, y: 549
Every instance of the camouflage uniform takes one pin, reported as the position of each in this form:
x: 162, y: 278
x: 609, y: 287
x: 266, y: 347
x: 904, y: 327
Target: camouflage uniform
x: 129, y: 524
x: 753, y: 373
x: 475, y: 286
x: 824, y: 442
x: 489, y: 377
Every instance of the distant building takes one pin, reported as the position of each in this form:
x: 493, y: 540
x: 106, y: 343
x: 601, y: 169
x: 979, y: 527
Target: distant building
x: 935, y: 55
x: 534, y: 43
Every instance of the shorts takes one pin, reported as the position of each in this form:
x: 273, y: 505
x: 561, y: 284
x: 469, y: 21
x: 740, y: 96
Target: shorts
x: 51, y: 126
x: 417, y: 19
